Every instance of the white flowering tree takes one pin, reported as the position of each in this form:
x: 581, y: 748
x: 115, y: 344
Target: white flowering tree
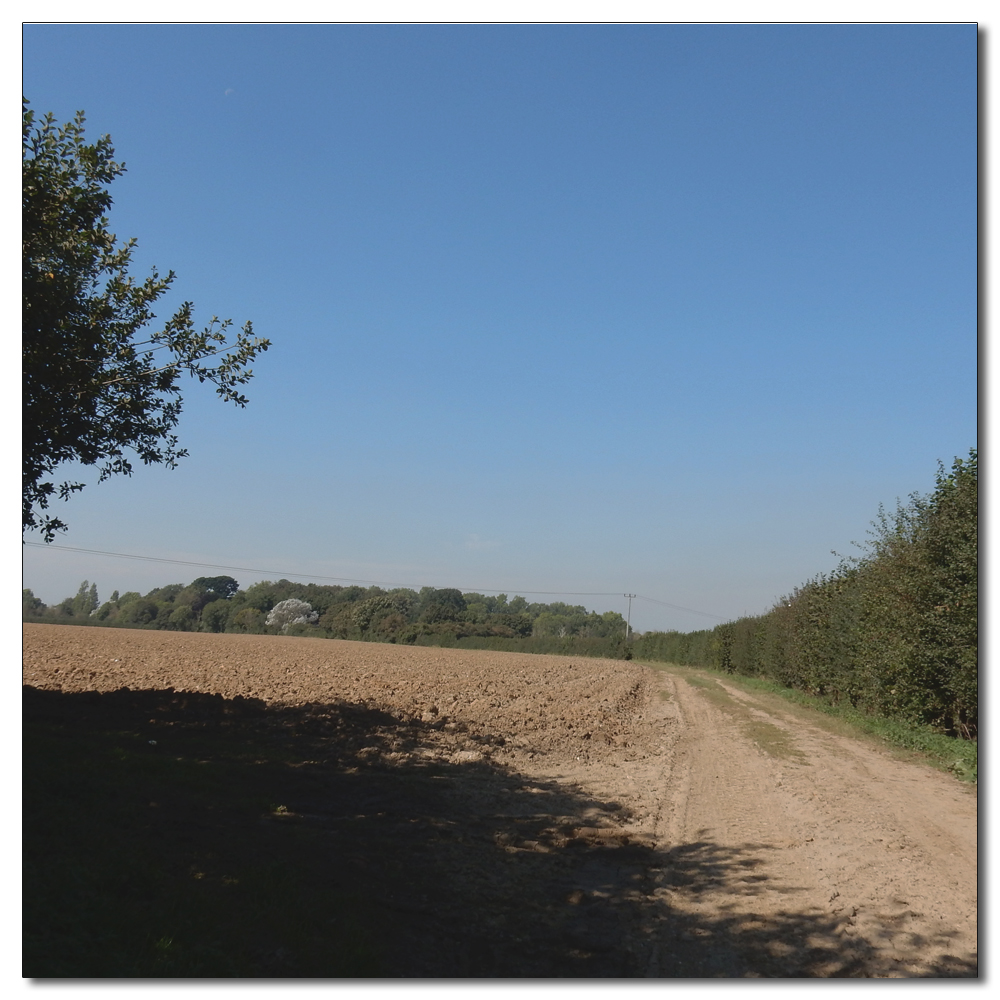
x: 292, y: 612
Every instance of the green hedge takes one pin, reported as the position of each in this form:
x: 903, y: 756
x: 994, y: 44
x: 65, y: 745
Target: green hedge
x: 893, y: 632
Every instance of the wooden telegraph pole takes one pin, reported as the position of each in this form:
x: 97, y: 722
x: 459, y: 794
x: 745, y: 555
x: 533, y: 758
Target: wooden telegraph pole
x: 628, y: 621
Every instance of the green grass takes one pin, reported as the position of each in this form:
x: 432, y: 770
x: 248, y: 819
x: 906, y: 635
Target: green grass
x: 959, y: 757
x: 770, y: 738
x: 145, y: 860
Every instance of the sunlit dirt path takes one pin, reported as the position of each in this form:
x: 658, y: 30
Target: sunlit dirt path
x: 796, y: 851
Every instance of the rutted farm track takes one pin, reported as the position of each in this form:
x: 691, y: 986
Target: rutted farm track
x: 522, y: 815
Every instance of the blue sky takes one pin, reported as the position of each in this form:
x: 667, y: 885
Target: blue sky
x: 601, y: 308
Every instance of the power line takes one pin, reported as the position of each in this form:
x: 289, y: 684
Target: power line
x: 371, y: 583
x: 308, y: 576
x: 677, y: 607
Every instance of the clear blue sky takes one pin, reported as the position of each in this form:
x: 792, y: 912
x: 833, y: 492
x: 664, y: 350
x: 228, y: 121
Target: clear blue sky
x: 660, y: 309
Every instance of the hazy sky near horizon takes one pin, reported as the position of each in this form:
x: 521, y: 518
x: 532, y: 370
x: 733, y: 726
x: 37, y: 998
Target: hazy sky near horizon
x: 661, y: 309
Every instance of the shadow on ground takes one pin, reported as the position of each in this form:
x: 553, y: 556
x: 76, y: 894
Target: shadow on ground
x: 173, y: 834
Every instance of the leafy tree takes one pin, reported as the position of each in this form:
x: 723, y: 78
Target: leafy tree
x: 548, y: 624
x: 85, y: 601
x: 514, y: 624
x: 291, y: 612
x: 340, y: 623
x: 195, y: 596
x: 260, y: 596
x: 373, y: 613
x: 248, y: 620
x: 440, y: 605
x: 181, y: 619
x: 265, y: 595
x: 449, y: 597
x: 348, y: 595
x: 106, y: 611
x: 140, y: 612
x: 215, y: 615
x: 97, y: 384
x: 31, y: 606
x: 165, y: 594
x: 220, y: 586
x: 64, y: 609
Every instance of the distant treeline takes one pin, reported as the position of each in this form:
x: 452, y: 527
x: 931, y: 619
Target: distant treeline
x: 445, y: 617
x: 895, y: 631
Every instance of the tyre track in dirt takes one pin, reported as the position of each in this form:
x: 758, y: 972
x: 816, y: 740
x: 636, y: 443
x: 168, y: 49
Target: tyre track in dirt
x: 823, y: 856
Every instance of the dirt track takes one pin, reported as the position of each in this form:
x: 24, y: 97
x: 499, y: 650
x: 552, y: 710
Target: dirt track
x: 518, y: 815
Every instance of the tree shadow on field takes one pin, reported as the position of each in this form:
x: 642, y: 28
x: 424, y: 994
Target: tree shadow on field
x: 173, y: 834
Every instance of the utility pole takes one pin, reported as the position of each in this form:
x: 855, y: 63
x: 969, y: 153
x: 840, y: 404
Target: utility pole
x: 628, y: 621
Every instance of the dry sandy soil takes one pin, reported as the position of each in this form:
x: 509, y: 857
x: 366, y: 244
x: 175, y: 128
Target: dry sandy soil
x: 524, y: 815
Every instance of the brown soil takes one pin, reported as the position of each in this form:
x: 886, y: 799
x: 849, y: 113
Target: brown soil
x: 524, y: 815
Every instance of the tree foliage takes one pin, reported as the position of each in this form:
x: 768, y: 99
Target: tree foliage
x: 291, y: 612
x: 99, y: 384
x: 894, y: 632
x: 445, y: 617
x: 85, y: 603
x: 220, y: 586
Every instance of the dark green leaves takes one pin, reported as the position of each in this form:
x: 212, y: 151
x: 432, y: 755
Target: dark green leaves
x: 99, y: 387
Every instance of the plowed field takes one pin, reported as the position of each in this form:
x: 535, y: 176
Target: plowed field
x: 499, y: 814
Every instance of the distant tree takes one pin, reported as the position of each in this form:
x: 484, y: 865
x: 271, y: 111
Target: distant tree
x: 372, y: 614
x: 181, y: 619
x: 215, y: 615
x: 106, y: 611
x: 97, y: 384
x: 348, y: 595
x: 449, y: 597
x: 340, y: 623
x: 31, y: 606
x: 265, y: 595
x: 516, y: 624
x: 248, y: 620
x: 195, y: 596
x: 139, y: 612
x: 548, y: 624
x: 85, y: 602
x: 291, y: 612
x: 476, y: 607
x: 220, y: 586
x: 167, y: 594
x: 440, y: 605
x: 260, y: 596
x: 65, y: 608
